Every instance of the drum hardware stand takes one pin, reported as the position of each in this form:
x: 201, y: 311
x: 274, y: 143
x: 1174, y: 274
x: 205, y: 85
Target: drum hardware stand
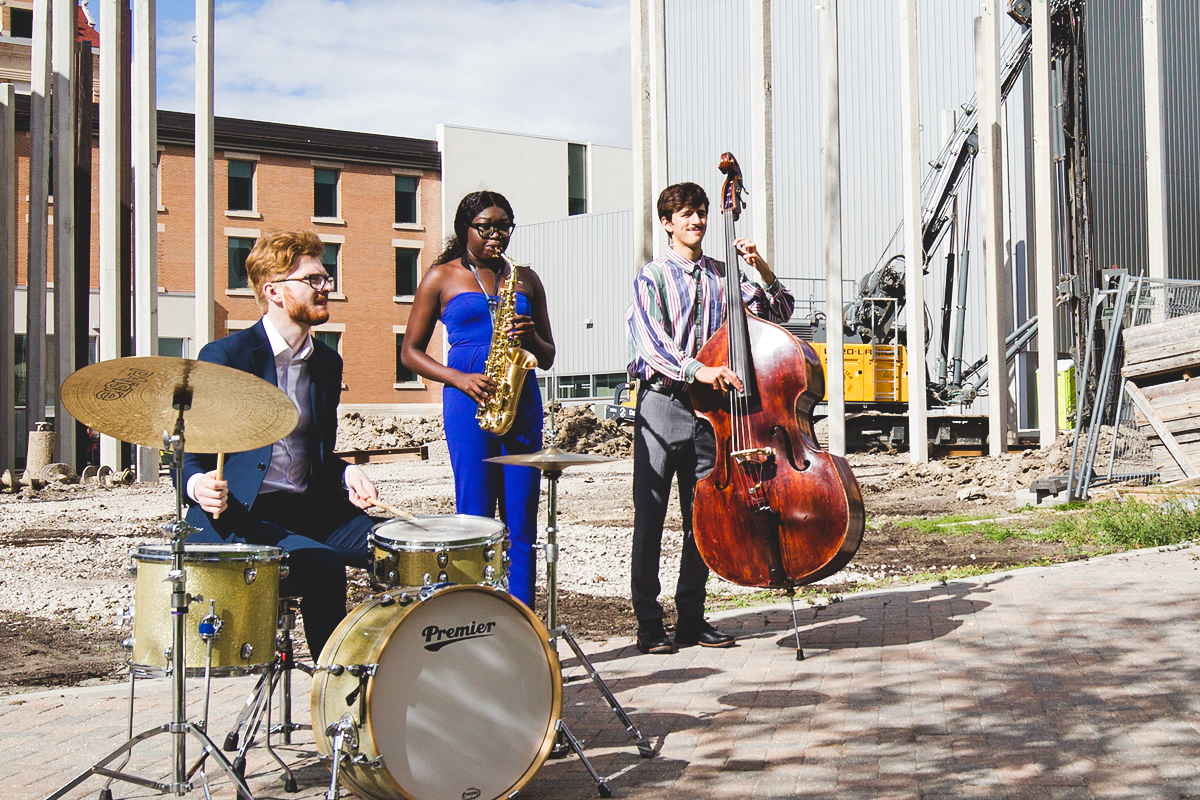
x: 551, y: 548
x: 179, y: 727
x: 258, y: 705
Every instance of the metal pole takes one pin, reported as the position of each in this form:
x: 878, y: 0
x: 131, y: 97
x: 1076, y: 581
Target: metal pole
x: 63, y: 63
x: 39, y: 179
x: 111, y: 113
x: 762, y: 125
x: 145, y: 205
x: 914, y: 248
x: 1046, y: 273
x: 649, y: 122
x: 1156, y: 190
x: 8, y: 276
x: 831, y: 127
x: 205, y: 326
x: 991, y: 154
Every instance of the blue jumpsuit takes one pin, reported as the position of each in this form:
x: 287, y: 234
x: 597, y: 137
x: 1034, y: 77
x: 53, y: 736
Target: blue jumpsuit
x: 479, y: 486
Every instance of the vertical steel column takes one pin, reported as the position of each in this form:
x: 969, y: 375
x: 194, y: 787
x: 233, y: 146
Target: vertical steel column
x: 831, y: 129
x: 991, y: 155
x: 914, y: 248
x: 1045, y: 270
x: 648, y: 27
x: 39, y: 207
x: 145, y: 205
x: 204, y: 326
x: 63, y: 125
x: 8, y: 276
x: 762, y: 130
x: 111, y: 169
x: 1156, y: 189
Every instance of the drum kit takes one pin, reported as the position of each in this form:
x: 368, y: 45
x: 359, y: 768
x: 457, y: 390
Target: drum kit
x: 440, y: 686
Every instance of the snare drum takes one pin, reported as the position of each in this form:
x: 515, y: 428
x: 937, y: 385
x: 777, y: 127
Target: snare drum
x: 443, y: 548
x: 456, y: 694
x: 241, y: 582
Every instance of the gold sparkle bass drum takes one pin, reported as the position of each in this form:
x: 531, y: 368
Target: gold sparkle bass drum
x: 445, y: 694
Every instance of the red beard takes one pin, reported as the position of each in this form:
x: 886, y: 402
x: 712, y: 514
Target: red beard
x: 308, y: 314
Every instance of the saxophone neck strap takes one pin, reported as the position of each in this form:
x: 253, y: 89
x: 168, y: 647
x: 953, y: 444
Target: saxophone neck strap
x: 493, y: 300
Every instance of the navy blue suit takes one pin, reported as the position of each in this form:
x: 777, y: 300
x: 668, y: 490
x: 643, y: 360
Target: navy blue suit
x: 322, y: 531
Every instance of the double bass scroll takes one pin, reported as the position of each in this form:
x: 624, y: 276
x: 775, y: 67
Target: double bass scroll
x: 776, y: 511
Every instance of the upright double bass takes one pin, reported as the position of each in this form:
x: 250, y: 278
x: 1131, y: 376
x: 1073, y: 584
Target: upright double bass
x: 776, y: 511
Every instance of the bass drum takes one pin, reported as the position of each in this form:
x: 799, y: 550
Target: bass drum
x: 455, y: 695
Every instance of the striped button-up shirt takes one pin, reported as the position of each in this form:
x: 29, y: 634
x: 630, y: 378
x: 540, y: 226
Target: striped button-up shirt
x: 678, y: 305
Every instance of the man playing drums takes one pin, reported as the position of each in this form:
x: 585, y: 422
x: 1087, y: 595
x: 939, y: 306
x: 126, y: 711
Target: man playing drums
x: 295, y: 494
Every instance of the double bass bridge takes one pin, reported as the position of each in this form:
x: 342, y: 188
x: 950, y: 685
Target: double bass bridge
x: 753, y: 462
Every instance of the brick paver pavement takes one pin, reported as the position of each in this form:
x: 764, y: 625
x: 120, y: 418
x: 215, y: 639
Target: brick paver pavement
x: 1072, y: 681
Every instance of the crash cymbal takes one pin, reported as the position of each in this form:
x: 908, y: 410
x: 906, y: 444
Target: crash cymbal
x: 551, y: 459
x: 132, y: 399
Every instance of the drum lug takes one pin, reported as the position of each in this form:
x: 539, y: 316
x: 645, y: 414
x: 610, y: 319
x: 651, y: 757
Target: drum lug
x: 391, y: 576
x: 489, y: 554
x: 124, y: 614
x: 360, y: 670
x: 443, y: 577
x: 489, y: 573
x: 127, y: 645
x: 247, y: 651
x: 427, y: 581
x: 443, y: 557
x: 251, y: 575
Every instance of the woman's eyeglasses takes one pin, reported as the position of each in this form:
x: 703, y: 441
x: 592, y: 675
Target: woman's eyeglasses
x: 488, y: 229
x: 318, y: 283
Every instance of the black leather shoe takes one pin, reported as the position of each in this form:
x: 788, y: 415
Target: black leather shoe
x: 696, y: 630
x: 652, y: 638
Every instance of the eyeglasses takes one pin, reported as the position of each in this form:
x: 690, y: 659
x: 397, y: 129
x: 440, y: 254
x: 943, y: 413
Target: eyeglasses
x: 488, y: 229
x: 317, y: 282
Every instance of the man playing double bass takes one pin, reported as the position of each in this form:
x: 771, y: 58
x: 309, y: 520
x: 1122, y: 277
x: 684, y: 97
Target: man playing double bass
x: 678, y: 304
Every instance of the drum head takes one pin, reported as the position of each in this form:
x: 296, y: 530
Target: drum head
x: 466, y: 696
x: 435, y: 529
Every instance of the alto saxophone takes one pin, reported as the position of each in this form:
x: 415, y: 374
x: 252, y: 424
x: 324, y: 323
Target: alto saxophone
x: 507, y: 363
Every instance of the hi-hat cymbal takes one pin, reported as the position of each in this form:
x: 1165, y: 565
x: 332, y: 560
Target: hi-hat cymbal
x: 551, y: 459
x: 132, y: 399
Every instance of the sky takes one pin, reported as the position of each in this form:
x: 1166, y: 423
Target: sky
x: 558, y: 68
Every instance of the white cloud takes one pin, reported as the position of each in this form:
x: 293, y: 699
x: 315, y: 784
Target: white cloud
x: 551, y: 67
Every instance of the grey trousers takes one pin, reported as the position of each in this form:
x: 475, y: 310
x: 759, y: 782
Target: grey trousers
x: 668, y: 440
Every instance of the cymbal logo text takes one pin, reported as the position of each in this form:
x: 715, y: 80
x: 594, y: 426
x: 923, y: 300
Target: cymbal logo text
x: 122, y: 385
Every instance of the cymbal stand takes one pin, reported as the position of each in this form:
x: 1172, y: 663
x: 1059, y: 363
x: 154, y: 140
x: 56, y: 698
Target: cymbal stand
x: 551, y: 548
x: 179, y: 728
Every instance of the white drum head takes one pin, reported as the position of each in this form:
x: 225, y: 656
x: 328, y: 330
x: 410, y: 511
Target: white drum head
x: 463, y: 699
x: 436, y: 529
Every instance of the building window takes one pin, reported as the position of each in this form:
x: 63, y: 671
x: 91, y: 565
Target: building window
x: 403, y: 373
x: 576, y: 179
x: 331, y: 338
x: 607, y: 383
x: 574, y: 386
x: 239, y: 249
x: 329, y: 259
x: 241, y: 186
x: 325, y: 193
x: 21, y: 23
x: 406, y: 199
x: 176, y: 348
x: 406, y: 272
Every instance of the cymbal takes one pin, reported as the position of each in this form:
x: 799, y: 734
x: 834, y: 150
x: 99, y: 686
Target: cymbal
x: 550, y: 459
x: 132, y: 399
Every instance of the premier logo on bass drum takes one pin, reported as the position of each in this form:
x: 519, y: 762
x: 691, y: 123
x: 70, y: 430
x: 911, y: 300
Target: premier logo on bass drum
x: 436, y: 638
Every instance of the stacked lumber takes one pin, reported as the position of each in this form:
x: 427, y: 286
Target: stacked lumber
x: 1162, y: 368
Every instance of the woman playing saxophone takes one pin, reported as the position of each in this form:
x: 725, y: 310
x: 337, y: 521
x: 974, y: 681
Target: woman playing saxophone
x: 464, y: 291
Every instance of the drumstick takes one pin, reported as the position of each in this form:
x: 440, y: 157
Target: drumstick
x: 220, y: 469
x: 393, y: 510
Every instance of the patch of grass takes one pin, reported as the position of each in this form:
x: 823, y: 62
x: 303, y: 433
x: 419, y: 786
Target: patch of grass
x: 1112, y: 526
x: 939, y: 524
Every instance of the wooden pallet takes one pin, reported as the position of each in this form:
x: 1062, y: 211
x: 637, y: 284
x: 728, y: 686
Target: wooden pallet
x: 1162, y: 368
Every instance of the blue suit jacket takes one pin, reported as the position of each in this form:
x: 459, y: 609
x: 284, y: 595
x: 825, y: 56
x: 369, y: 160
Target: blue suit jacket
x: 250, y: 351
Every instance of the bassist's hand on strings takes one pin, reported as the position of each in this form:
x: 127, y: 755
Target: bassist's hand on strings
x: 748, y: 250
x: 719, y: 378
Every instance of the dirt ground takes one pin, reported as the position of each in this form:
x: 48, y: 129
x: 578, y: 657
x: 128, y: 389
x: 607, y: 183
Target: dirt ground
x: 65, y: 548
